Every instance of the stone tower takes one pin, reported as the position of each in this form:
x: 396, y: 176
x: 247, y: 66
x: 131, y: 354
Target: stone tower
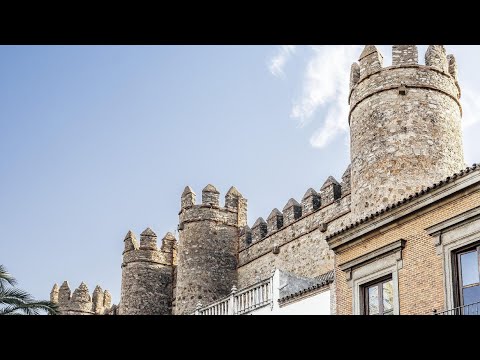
x: 147, y: 275
x: 80, y: 302
x: 208, y: 247
x: 405, y: 125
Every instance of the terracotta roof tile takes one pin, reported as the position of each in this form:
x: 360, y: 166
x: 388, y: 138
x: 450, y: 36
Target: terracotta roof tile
x: 322, y: 281
x: 405, y: 200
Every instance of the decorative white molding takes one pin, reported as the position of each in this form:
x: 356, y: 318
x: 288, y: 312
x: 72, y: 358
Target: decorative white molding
x: 384, y: 261
x: 449, y: 236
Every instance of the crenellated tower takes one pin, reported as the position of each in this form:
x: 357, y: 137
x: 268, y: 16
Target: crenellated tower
x: 80, y: 302
x: 147, y: 274
x: 405, y: 125
x: 208, y: 246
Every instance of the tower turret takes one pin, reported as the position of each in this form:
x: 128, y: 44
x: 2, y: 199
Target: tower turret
x: 274, y: 221
x: 310, y: 201
x: 405, y: 125
x: 371, y: 60
x: 147, y: 275
x: 259, y: 230
x: 64, y: 294
x: 107, y: 299
x: 207, y: 248
x: 291, y: 212
x: 210, y: 195
x: 54, y: 294
x: 188, y: 197
x: 81, y: 301
x: 330, y: 191
x: 234, y: 200
x: 97, y: 300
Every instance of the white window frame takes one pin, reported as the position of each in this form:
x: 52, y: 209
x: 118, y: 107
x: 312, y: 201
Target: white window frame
x: 449, y: 236
x: 374, y: 265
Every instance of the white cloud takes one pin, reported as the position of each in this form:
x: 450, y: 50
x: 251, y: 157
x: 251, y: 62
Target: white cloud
x: 470, y: 106
x: 277, y: 63
x: 326, y: 87
x: 334, y: 124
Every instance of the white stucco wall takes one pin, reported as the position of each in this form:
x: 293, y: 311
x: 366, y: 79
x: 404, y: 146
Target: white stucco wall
x: 317, y: 304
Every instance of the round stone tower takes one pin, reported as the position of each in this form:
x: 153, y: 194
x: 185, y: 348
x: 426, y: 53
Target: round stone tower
x: 80, y: 303
x: 147, y: 275
x: 405, y: 125
x: 207, y: 248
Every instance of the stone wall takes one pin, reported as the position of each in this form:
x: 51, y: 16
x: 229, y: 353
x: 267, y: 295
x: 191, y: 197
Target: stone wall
x: 405, y: 125
x: 298, y: 247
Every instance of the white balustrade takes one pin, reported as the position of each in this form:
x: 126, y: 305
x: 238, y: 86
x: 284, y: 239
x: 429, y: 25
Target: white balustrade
x: 240, y: 302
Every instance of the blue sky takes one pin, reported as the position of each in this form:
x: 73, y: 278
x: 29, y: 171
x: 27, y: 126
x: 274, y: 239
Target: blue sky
x: 97, y: 140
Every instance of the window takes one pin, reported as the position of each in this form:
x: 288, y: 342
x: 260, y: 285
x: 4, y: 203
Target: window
x: 378, y: 297
x: 366, y: 271
x: 453, y: 238
x: 468, y: 276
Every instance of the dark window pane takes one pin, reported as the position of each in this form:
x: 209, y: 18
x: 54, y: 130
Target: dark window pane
x: 471, y: 295
x: 373, y: 308
x: 388, y: 296
x: 472, y: 309
x: 469, y: 263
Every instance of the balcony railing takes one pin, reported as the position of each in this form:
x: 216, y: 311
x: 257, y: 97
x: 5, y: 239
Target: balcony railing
x: 240, y: 302
x: 471, y: 309
x: 220, y: 307
x: 253, y: 297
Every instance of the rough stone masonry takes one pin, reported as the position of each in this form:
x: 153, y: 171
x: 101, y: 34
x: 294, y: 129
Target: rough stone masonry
x: 405, y: 124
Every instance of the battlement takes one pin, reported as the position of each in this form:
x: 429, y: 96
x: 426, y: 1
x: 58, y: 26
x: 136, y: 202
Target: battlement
x: 233, y: 213
x: 299, y: 246
x: 404, y: 55
x: 210, y: 195
x: 259, y: 229
x: 310, y: 201
x: 371, y: 60
x: 245, y: 236
x: 369, y: 77
x: 80, y: 302
x: 330, y: 192
x: 147, y: 250
x: 274, y: 221
x: 211, y: 198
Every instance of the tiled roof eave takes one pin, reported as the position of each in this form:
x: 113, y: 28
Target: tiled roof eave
x: 404, y: 201
x: 327, y: 279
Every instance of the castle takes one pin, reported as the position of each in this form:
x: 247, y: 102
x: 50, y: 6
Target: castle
x: 405, y: 126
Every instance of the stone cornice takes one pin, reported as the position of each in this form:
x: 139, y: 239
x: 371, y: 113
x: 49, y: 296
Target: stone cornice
x: 383, y: 251
x: 454, y: 222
